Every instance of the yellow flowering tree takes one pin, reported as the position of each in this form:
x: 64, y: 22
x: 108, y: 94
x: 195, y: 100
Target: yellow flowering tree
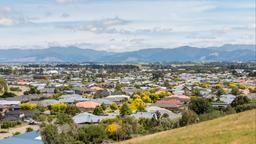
x: 112, y: 128
x: 28, y: 106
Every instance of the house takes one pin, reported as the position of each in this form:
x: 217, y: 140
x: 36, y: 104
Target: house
x: 101, y: 101
x: 227, y: 98
x: 87, y: 105
x: 219, y: 104
x: 172, y: 115
x: 45, y: 102
x: 139, y: 115
x: 118, y: 98
x: 19, y: 114
x: 26, y: 138
x: 86, y: 117
x: 181, y: 98
x: 9, y: 103
x: 72, y: 98
x: 168, y: 103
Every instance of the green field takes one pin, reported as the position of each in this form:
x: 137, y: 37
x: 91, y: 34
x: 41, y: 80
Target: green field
x: 233, y: 129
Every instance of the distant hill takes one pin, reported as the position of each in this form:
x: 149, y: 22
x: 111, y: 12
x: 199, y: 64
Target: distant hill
x: 185, y: 53
x: 233, y: 129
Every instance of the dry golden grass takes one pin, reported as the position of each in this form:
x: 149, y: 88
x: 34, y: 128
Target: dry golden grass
x: 233, y: 129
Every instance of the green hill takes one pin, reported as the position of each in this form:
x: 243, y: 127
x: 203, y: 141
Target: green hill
x: 233, y: 129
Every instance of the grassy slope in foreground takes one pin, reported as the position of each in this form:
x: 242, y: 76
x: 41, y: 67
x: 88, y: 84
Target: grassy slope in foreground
x: 233, y: 129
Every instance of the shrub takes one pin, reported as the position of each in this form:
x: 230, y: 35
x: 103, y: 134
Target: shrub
x: 72, y: 110
x: 29, y: 129
x: 98, y: 110
x: 92, y: 134
x: 50, y: 135
x: 125, y: 110
x: 188, y: 117
x: 16, y: 133
x: 240, y: 100
x: 15, y: 89
x: 28, y: 106
x: 112, y: 128
x: 8, y: 124
x: 200, y: 105
x: 114, y: 106
x: 63, y: 118
x: 212, y: 115
x: 58, y: 107
x: 244, y: 107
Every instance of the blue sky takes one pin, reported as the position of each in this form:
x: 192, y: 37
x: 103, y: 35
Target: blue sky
x: 125, y: 25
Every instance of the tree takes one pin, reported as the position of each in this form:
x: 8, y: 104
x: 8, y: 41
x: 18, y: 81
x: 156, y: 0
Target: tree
x: 240, y: 100
x: 28, y: 106
x: 50, y: 135
x: 114, y: 106
x: 98, y: 110
x: 196, y: 92
x: 32, y: 90
x: 235, y: 91
x: 3, y: 86
x: 188, y: 117
x: 58, y: 107
x: 200, y: 105
x: 72, y: 110
x: 125, y: 110
x: 92, y: 134
x: 112, y: 128
x: 220, y: 92
x: 63, y: 118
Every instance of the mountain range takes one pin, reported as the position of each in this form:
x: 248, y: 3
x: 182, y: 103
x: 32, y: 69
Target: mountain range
x: 179, y: 54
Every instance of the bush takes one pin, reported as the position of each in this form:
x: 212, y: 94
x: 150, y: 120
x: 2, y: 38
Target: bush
x: 125, y: 110
x: 16, y: 133
x: 63, y: 118
x: 212, y: 115
x: 50, y: 135
x: 244, y: 107
x: 92, y: 134
x: 72, y: 110
x: 98, y: 110
x: 15, y: 89
x: 240, y: 100
x: 58, y: 107
x: 29, y: 129
x: 28, y: 106
x: 200, y: 105
x: 114, y: 106
x: 8, y: 124
x: 112, y: 128
x: 188, y: 117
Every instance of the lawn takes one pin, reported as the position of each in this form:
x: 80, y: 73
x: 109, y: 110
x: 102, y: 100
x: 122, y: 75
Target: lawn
x: 233, y: 129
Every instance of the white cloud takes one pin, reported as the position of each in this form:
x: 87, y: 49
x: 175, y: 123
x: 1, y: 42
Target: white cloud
x: 64, y: 1
x: 5, y: 9
x: 6, y: 22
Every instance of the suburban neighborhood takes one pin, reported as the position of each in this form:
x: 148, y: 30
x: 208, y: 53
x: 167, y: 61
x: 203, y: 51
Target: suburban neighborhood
x: 35, y: 97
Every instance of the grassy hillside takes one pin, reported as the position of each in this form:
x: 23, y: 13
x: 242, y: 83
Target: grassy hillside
x: 233, y: 129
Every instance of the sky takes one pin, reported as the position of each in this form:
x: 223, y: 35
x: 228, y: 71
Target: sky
x: 125, y: 25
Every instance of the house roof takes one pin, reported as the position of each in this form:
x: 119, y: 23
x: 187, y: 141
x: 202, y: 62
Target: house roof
x: 227, y: 98
x: 171, y: 114
x: 117, y: 97
x: 138, y: 115
x: 181, y: 98
x: 71, y: 98
x: 26, y: 138
x: 5, y: 102
x: 101, y: 101
x: 87, y: 104
x: 86, y: 118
